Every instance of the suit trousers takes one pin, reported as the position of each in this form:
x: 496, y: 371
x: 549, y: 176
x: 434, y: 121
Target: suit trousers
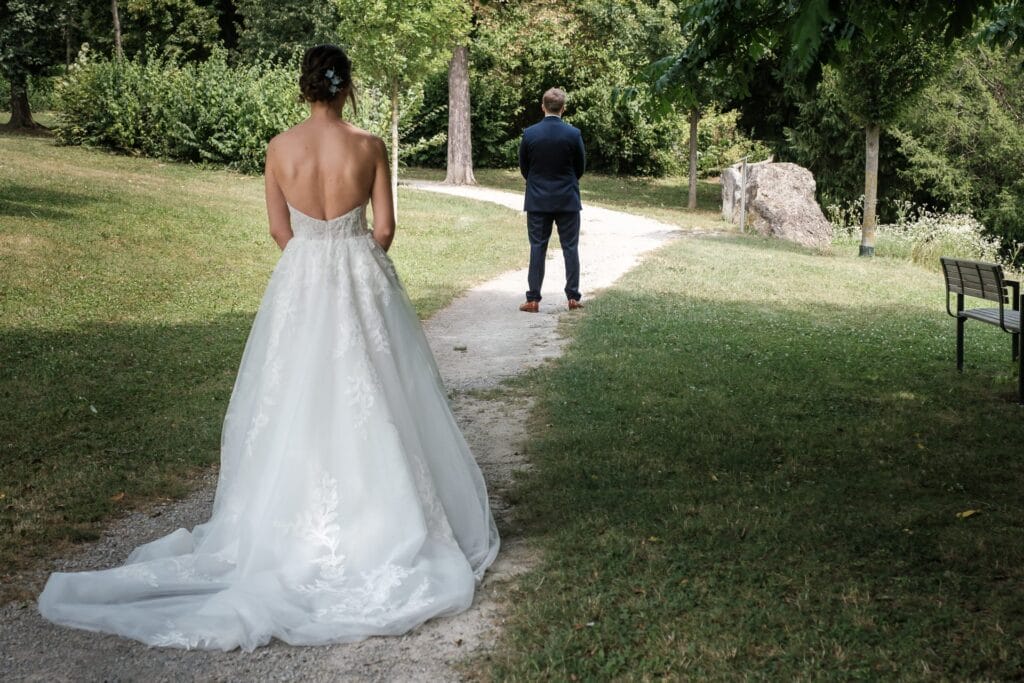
x: 538, y: 225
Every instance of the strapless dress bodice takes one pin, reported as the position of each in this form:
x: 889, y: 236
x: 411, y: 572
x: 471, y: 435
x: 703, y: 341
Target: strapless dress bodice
x: 351, y: 224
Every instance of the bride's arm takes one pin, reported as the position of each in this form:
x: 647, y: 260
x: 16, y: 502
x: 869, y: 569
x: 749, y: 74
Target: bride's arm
x: 380, y: 196
x: 277, y: 207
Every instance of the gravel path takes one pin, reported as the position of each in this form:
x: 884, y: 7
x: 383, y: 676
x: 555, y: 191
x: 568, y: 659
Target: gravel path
x: 479, y: 340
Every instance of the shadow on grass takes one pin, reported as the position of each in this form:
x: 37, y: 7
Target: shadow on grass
x: 37, y: 131
x: 735, y: 490
x: 94, y: 412
x: 50, y: 203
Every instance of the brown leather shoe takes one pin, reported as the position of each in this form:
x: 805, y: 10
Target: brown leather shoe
x: 530, y: 307
x: 574, y: 304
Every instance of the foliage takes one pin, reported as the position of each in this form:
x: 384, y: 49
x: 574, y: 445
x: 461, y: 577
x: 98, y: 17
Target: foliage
x: 207, y: 112
x: 178, y: 29
x: 29, y: 37
x: 877, y: 81
x: 748, y: 466
x: 592, y: 49
x: 401, y: 41
x: 721, y: 144
x: 774, y: 53
x: 958, y: 149
x: 1003, y: 25
x: 398, y: 44
x: 30, y: 40
x: 40, y: 93
x: 279, y: 30
x: 963, y: 145
x: 733, y: 36
x: 823, y: 138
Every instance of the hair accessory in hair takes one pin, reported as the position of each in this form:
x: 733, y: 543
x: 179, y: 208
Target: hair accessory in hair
x: 334, y: 79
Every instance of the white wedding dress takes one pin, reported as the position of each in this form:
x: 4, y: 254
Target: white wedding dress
x: 348, y: 504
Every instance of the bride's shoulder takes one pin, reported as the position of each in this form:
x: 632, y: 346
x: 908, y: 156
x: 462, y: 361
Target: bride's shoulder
x: 362, y: 134
x: 282, y: 139
x: 365, y: 139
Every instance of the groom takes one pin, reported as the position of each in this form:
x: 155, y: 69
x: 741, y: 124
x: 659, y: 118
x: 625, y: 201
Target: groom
x: 552, y: 159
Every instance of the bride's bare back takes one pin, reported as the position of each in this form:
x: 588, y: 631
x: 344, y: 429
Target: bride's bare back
x: 325, y: 167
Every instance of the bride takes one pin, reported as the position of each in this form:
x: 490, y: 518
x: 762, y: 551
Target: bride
x: 348, y: 503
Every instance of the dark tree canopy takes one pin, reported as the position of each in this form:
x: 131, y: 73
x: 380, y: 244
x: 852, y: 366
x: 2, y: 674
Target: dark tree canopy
x: 734, y: 35
x: 31, y: 42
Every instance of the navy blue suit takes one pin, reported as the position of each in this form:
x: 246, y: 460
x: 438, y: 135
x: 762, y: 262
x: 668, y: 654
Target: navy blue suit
x: 552, y: 160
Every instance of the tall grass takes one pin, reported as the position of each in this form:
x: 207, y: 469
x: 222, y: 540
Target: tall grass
x: 922, y: 236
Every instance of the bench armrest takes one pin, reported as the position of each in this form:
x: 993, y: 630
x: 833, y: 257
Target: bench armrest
x: 1014, y: 293
x: 1015, y: 302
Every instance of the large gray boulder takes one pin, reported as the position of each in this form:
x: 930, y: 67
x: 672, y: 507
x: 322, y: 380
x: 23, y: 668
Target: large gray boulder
x: 780, y: 203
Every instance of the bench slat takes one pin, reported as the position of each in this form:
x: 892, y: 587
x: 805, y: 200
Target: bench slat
x: 991, y: 316
x: 992, y: 287
x: 969, y: 276
x: 976, y: 279
x: 989, y: 295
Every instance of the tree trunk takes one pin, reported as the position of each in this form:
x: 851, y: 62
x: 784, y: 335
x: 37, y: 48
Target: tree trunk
x: 118, y: 52
x: 694, y: 120
x: 867, y: 231
x: 394, y: 143
x: 21, y: 113
x: 460, y: 136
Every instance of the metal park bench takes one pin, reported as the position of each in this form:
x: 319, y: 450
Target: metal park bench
x: 985, y: 281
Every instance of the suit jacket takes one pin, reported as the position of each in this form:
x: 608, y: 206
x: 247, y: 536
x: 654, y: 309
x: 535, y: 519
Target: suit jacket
x: 552, y: 159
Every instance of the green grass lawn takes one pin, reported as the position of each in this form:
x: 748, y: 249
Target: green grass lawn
x: 127, y: 288
x: 749, y: 464
x: 663, y: 199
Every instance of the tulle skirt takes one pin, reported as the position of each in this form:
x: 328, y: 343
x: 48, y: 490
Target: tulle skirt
x: 348, y: 503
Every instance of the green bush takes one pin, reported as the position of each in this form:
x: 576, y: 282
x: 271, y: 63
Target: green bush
x: 200, y: 112
x: 208, y: 112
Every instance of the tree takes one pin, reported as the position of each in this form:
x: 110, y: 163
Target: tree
x: 690, y: 91
x: 118, y: 50
x: 859, y: 39
x: 30, y: 44
x: 1003, y: 26
x: 398, y: 43
x: 460, y: 137
x: 878, y: 79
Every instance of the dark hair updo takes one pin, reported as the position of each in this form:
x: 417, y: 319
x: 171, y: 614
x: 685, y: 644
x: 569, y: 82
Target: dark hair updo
x: 326, y: 73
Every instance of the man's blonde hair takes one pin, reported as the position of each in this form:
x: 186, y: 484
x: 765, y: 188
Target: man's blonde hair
x: 554, y: 100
